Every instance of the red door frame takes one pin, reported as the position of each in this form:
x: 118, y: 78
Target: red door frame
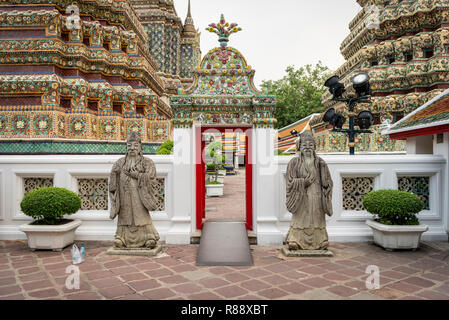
x: 201, y: 174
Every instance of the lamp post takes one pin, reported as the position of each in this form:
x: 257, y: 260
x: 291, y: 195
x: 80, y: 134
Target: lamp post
x: 362, y: 88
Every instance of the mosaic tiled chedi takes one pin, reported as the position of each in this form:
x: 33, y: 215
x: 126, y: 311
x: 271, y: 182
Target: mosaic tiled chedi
x: 403, y: 46
x: 223, y: 91
x: 78, y: 79
x: 175, y: 46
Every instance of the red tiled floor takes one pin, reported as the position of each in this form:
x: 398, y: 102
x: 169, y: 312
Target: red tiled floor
x: 222, y: 208
x: 403, y: 275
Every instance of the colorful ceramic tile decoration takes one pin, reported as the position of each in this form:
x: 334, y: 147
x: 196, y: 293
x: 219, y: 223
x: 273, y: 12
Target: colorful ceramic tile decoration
x: 83, y: 70
x: 223, y: 91
x: 175, y: 47
x: 403, y: 46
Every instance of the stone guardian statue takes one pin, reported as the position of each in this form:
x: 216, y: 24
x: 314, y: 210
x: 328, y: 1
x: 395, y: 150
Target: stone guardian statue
x: 132, y: 196
x: 309, y: 199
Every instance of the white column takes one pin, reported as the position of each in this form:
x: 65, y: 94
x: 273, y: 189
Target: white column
x: 442, y: 149
x: 265, y: 188
x: 183, y: 186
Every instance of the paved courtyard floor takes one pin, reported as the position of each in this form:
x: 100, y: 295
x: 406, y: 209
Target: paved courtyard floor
x: 231, y: 206
x: 423, y: 274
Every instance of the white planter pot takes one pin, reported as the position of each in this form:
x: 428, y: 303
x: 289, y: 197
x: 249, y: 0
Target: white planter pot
x: 220, y: 179
x: 222, y: 172
x: 53, y: 237
x: 214, y: 190
x: 397, y: 237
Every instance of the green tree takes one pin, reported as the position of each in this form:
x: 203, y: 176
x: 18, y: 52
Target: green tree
x: 298, y: 93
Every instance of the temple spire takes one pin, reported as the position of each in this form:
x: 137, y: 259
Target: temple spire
x: 189, y: 27
x: 189, y: 15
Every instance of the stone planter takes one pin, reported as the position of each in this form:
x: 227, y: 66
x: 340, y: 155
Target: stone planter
x: 214, y: 190
x: 220, y: 179
x: 397, y: 237
x: 222, y: 172
x: 52, y: 237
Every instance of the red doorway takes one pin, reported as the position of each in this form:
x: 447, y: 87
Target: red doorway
x: 201, y: 174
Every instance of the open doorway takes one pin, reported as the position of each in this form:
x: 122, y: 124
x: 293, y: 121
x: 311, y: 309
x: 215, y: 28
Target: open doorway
x: 224, y: 176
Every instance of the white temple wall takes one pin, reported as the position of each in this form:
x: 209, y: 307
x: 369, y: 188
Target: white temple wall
x: 382, y: 172
x: 442, y: 148
x: 271, y: 220
x: 420, y: 145
x: 65, y: 170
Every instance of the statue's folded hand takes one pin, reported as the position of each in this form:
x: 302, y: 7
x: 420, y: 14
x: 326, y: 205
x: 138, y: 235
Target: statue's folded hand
x: 134, y: 174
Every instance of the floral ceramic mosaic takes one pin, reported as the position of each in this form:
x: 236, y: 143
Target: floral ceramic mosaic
x: 223, y: 91
x: 85, y: 83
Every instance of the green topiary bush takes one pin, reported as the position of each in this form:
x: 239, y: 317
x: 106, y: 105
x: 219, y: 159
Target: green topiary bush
x: 163, y: 151
x: 48, y: 205
x: 210, y: 166
x: 167, y: 146
x: 393, y: 207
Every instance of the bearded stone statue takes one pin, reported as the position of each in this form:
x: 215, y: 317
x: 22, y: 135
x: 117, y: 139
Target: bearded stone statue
x: 309, y: 198
x: 132, y: 197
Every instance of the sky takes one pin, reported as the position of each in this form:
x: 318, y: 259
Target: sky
x: 277, y: 33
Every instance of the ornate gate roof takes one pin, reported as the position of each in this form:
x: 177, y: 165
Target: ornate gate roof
x: 223, y: 91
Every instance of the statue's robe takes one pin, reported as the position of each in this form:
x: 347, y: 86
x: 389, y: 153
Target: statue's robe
x: 308, y: 205
x: 131, y: 201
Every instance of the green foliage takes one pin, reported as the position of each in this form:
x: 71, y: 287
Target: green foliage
x: 213, y: 182
x: 298, y: 93
x: 162, y: 151
x: 393, y: 207
x: 215, y: 147
x: 48, y: 205
x: 215, y: 151
x: 279, y: 152
x: 210, y: 166
x: 165, y: 148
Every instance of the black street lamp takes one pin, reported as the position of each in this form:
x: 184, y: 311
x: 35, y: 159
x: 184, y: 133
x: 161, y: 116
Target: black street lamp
x: 361, y: 86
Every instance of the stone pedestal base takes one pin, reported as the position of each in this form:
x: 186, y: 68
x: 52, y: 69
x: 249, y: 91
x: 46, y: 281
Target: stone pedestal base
x: 306, y: 253
x: 134, y: 251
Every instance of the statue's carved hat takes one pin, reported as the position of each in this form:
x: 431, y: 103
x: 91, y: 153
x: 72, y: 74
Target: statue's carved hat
x: 305, y: 136
x: 134, y: 136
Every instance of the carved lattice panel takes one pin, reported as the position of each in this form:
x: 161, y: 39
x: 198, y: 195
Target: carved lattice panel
x: 418, y: 186
x: 354, y: 189
x: 159, y: 190
x: 30, y: 184
x: 93, y: 193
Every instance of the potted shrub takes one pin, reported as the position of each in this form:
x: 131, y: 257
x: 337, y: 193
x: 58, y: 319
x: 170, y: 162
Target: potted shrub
x: 214, y: 189
x: 210, y: 167
x: 48, y: 206
x: 165, y: 148
x: 396, y: 225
